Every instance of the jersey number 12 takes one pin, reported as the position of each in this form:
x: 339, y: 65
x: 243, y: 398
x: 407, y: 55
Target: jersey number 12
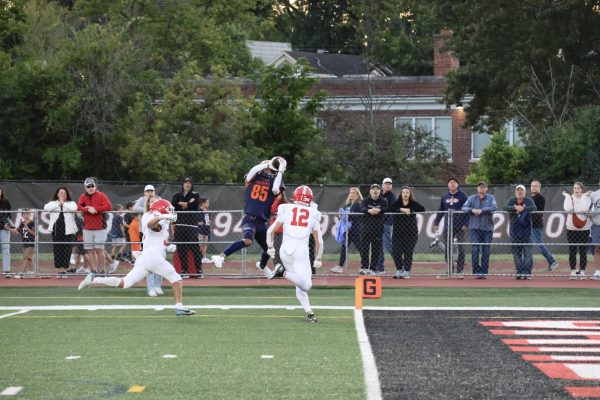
x: 300, y: 216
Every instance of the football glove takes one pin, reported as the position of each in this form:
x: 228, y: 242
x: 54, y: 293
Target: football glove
x: 282, y: 164
x: 169, y: 217
x: 271, y: 251
x: 318, y: 264
x: 171, y: 248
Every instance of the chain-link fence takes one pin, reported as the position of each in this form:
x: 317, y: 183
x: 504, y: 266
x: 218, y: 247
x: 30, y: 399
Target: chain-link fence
x: 39, y: 243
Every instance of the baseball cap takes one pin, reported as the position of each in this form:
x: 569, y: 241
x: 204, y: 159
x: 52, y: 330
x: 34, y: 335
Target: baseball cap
x: 387, y: 180
x: 375, y: 185
x: 452, y: 179
x: 482, y: 183
x: 89, y: 181
x: 520, y: 187
x: 187, y: 179
x: 148, y: 187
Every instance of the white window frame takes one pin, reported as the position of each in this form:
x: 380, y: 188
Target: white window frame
x: 512, y: 136
x: 433, y: 125
x: 320, y: 123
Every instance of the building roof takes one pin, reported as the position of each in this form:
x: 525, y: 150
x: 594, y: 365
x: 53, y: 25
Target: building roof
x: 267, y: 51
x: 332, y: 64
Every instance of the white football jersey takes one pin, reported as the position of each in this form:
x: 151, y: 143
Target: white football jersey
x: 154, y: 240
x: 298, y: 221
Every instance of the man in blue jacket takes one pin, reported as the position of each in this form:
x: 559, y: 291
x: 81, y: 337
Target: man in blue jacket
x: 453, y: 200
x: 520, y: 208
x: 481, y: 207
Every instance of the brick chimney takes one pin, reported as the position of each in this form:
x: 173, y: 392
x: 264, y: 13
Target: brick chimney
x: 443, y: 62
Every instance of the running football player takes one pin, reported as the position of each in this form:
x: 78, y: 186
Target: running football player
x: 155, y: 227
x: 299, y: 221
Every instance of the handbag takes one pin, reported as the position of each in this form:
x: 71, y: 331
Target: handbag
x: 577, y: 222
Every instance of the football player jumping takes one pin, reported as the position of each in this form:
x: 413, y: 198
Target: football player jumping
x: 299, y: 221
x: 155, y: 227
x: 263, y: 184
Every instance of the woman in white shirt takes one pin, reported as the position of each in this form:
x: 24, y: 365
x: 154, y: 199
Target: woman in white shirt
x: 62, y: 224
x: 577, y: 204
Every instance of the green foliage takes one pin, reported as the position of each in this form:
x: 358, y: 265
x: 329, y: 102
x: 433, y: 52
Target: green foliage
x: 285, y: 116
x: 570, y: 151
x: 535, y: 59
x: 500, y: 162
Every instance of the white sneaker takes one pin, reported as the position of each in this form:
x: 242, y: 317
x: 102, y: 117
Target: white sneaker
x: 113, y: 266
x: 72, y: 260
x: 152, y: 293
x: 574, y: 275
x: 159, y: 291
x: 86, y: 282
x: 582, y: 274
x: 218, y: 261
x: 82, y: 270
x: 338, y: 269
x: 206, y: 260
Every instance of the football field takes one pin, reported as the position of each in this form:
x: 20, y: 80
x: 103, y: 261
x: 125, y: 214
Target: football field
x: 254, y: 343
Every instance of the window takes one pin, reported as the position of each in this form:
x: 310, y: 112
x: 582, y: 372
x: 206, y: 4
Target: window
x: 439, y: 126
x: 480, y: 140
x: 320, y: 123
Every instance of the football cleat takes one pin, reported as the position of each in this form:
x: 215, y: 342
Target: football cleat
x: 183, y: 312
x: 218, y: 261
x: 278, y: 272
x: 311, y: 317
x: 86, y: 282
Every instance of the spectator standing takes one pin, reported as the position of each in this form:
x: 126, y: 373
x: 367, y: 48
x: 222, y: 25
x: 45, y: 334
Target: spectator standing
x: 373, y: 208
x: 117, y: 236
x: 481, y: 207
x: 127, y: 218
x: 263, y: 183
x: 595, y: 228
x: 93, y: 204
x: 27, y: 231
x: 63, y: 226
x: 537, y: 225
x: 204, y: 228
x: 6, y: 225
x: 187, y: 204
x: 520, y: 208
x: 405, y: 233
x: 353, y: 231
x: 81, y: 263
x: 578, y: 205
x: 388, y: 225
x: 454, y: 200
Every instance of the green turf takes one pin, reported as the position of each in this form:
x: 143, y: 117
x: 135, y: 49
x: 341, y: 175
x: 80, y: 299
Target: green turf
x: 218, y: 351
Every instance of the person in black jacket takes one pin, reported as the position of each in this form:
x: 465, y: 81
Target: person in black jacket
x: 6, y: 226
x: 373, y: 207
x: 537, y: 225
x: 405, y: 233
x: 186, y: 227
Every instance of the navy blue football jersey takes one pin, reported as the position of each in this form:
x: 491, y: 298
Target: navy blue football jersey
x: 259, y: 196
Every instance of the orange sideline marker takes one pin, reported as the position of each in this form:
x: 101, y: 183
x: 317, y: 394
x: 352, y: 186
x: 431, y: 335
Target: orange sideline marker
x: 366, y: 287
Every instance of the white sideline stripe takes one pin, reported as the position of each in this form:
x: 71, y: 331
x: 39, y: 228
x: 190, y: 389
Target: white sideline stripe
x: 22, y: 311
x: 373, y: 388
x: 11, y: 390
x: 95, y: 307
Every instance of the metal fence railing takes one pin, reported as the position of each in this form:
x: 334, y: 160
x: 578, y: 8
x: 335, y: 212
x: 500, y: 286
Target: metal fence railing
x: 410, y: 246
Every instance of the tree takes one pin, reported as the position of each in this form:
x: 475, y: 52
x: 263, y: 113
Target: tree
x: 501, y: 48
x: 285, y: 112
x: 500, y: 162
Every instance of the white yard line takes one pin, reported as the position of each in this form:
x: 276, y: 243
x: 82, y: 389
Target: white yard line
x: 22, y: 311
x: 373, y: 388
